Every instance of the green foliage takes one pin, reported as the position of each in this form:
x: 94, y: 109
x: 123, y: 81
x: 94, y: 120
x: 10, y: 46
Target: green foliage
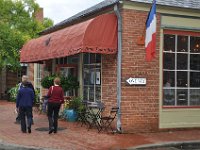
x: 17, y: 25
x: 47, y: 22
x: 13, y: 93
x: 67, y: 83
x: 37, y: 96
x: 76, y: 104
x: 47, y: 81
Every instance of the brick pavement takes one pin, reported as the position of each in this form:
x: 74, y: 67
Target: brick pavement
x: 75, y: 137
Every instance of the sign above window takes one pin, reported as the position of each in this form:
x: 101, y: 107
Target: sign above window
x: 136, y: 81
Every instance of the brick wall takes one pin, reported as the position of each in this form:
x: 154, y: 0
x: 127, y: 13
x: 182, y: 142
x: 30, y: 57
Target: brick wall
x: 109, y: 80
x: 39, y: 15
x: 11, y: 79
x: 140, y: 104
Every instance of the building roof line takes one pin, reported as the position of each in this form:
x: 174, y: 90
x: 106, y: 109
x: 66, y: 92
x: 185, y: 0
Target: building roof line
x: 188, y: 4
x: 96, y: 8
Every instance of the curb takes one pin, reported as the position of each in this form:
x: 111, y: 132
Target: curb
x: 181, y: 144
x: 8, y: 146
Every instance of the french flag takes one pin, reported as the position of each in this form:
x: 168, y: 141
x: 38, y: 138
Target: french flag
x: 150, y: 39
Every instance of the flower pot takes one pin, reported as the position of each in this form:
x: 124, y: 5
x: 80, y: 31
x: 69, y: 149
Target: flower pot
x: 70, y: 115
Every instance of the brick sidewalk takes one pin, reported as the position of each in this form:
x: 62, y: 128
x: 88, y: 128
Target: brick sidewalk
x: 75, y: 137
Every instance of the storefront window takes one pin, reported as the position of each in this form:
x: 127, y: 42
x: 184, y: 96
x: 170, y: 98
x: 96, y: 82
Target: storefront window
x: 67, y: 67
x: 181, y: 69
x: 92, y: 77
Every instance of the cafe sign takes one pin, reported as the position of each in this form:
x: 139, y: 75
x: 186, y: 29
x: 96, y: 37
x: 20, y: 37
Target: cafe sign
x: 136, y: 81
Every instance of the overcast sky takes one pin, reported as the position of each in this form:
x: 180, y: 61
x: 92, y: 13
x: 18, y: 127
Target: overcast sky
x: 59, y: 10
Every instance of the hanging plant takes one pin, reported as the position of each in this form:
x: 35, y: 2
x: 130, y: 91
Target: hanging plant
x: 47, y: 81
x: 67, y: 83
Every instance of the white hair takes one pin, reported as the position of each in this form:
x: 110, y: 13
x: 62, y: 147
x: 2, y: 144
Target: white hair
x: 24, y: 78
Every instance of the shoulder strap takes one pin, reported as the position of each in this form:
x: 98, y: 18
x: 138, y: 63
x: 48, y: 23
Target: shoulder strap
x: 51, y: 90
x: 19, y: 85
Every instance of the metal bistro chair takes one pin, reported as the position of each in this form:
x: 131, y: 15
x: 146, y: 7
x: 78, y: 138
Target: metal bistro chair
x: 94, y: 116
x: 106, y: 121
x: 82, y: 114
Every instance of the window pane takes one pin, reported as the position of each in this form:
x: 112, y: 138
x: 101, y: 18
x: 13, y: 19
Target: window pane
x: 86, y: 92
x: 194, y: 79
x: 92, y: 77
x: 98, y: 93
x: 179, y: 75
x: 73, y: 59
x: 169, y: 61
x: 182, y: 98
x: 57, y: 61
x: 98, y: 76
x: 92, y: 58
x: 194, y: 44
x: 98, y: 58
x: 195, y: 62
x: 88, y: 77
x: 169, y: 43
x: 86, y: 59
x: 91, y: 93
x: 168, y: 79
x: 182, y: 79
x: 195, y: 97
x: 182, y: 44
x: 65, y: 60
x: 169, y: 97
x: 182, y: 61
x: 61, y: 60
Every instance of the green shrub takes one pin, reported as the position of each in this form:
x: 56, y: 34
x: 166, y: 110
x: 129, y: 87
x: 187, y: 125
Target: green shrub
x: 37, y: 96
x: 13, y: 93
x: 67, y: 83
x: 76, y: 104
x: 47, y: 81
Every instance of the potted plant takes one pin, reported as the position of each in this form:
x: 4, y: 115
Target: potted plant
x: 47, y: 81
x: 72, y: 110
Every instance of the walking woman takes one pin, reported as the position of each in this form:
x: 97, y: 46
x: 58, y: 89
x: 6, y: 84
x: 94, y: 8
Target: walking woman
x: 56, y: 98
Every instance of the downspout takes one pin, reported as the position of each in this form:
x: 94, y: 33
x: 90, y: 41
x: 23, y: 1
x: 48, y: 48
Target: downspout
x: 119, y: 60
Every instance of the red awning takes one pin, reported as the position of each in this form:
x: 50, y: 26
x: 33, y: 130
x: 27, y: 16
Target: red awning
x: 97, y: 35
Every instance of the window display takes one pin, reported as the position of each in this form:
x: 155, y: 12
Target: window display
x: 181, y: 69
x: 92, y: 77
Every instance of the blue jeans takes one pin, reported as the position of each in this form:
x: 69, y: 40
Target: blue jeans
x: 25, y: 114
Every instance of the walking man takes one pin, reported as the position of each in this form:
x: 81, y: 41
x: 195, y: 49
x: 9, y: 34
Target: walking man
x: 24, y: 103
x: 29, y: 84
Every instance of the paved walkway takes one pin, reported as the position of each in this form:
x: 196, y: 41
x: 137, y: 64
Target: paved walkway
x: 75, y: 137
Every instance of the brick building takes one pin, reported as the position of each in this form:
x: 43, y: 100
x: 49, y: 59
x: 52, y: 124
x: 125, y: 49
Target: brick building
x: 104, y: 66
